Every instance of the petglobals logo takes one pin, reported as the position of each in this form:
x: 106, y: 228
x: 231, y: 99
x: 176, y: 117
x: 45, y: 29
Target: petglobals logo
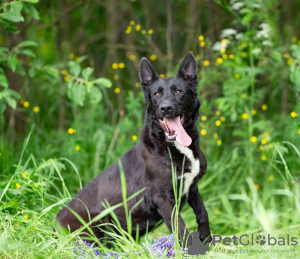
x: 245, y: 240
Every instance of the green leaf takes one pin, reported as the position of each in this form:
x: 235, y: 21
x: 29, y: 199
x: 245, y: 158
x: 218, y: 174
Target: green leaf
x: 11, y: 93
x: 27, y: 52
x: 295, y: 76
x: 77, y: 93
x: 31, y: 1
x: 9, y: 26
x: 95, y: 95
x: 11, y: 102
x: 86, y: 72
x: 103, y: 82
x: 74, y: 68
x: 14, y: 13
x: 31, y: 10
x: 295, y: 51
x: 31, y: 72
x: 26, y: 43
x: 2, y: 106
x: 12, y: 62
x: 3, y: 81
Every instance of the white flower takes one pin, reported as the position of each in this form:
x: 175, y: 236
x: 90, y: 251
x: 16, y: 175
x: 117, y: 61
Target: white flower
x: 216, y: 46
x: 239, y: 35
x: 267, y: 43
x: 256, y: 51
x: 257, y: 6
x: 227, y: 32
x: 264, y: 32
x: 237, y: 6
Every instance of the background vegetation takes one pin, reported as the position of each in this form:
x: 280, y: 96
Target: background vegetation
x: 70, y: 105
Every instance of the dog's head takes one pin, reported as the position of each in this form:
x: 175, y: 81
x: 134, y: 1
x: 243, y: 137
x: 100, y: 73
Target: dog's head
x: 172, y: 103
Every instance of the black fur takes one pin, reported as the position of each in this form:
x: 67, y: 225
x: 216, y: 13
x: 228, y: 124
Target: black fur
x: 148, y: 163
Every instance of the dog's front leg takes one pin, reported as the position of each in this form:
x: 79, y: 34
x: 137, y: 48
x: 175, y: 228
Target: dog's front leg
x: 165, y: 209
x: 196, y: 203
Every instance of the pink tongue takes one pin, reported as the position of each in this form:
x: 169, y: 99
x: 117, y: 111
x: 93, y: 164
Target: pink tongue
x: 182, y: 137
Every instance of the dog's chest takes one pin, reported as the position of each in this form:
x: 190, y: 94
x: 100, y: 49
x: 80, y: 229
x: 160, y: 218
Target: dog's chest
x: 194, y: 168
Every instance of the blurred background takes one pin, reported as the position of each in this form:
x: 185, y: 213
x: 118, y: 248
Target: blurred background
x: 71, y: 105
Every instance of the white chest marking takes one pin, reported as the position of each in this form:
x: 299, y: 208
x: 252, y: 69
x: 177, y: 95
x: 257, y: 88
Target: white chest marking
x: 195, y: 167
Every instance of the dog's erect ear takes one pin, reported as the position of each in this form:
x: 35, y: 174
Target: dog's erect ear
x: 188, y: 69
x: 147, y: 72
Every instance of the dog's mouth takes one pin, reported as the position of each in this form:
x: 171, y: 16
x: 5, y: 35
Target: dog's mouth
x: 173, y: 128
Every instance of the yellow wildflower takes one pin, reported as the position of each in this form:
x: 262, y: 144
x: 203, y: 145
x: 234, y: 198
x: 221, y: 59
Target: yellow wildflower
x: 114, y: 65
x: 219, y: 142
x: 224, y: 41
x: 271, y: 178
x: 231, y: 56
x: 67, y: 78
x: 77, y: 59
x: 162, y: 76
x: 263, y: 158
x: 153, y: 57
x: 203, y: 132
x: 71, y: 131
x: 206, y: 63
x: 77, y: 147
x: 18, y: 185
x: 237, y: 76
x: 26, y: 104
x: 264, y: 141
x: 294, y: 39
x: 218, y: 123
x: 217, y: 113
x: 25, y: 216
x: 24, y: 174
x: 294, y: 114
x: 144, y: 32
x: 261, y: 147
x: 257, y: 187
x: 298, y: 131
x: 245, y: 116
x: 219, y: 60
x: 202, y: 44
x: 150, y: 31
x: 121, y: 65
x: 137, y: 27
x: 116, y: 77
x: 201, y: 38
x: 137, y: 84
x: 253, y: 139
x: 244, y: 95
x: 117, y: 90
x: 165, y: 57
x: 223, y: 119
x: 128, y: 30
x: 264, y: 107
x: 289, y: 62
x: 71, y: 56
x: 36, y: 109
x: 287, y: 55
x: 134, y: 137
x: 132, y: 22
x: 215, y: 135
x: 224, y: 56
x: 203, y: 118
x: 253, y: 112
x: 64, y: 71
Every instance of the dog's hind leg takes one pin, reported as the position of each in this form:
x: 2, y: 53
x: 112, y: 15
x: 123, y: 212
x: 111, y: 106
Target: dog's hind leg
x: 197, y: 204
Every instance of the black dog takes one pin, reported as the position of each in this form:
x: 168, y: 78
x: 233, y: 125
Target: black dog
x: 172, y: 108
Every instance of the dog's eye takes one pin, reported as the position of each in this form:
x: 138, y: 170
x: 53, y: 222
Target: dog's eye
x: 178, y: 92
x: 157, y: 94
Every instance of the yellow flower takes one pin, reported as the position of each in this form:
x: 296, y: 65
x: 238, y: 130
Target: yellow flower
x: 257, y: 187
x: 153, y: 57
x: 18, y: 185
x: 21, y: 101
x: 26, y: 104
x: 134, y: 137
x: 165, y: 57
x: 271, y: 146
x: 253, y: 112
x: 150, y: 31
x: 137, y: 84
x: 237, y: 76
x: 25, y: 216
x: 143, y: 31
x: 36, y: 109
x: 223, y: 119
x: 244, y: 43
x: 244, y: 95
x: 224, y: 41
x: 219, y: 142
x: 219, y: 60
x: 24, y: 174
x: 215, y: 135
x: 132, y: 22
x: 299, y: 42
x: 67, y: 78
x: 217, y: 113
x: 203, y: 118
x: 253, y: 139
x: 71, y: 131
x: 137, y: 27
x: 287, y: 55
x: 201, y: 38
x: 263, y: 158
x: 206, y: 63
x: 12, y: 228
x: 77, y: 59
x: 218, y: 123
x: 294, y: 114
x: 132, y: 57
x: 114, y: 65
x: 264, y: 141
x: 224, y: 56
x: 77, y: 147
x: 64, y: 71
x: 121, y: 65
x: 298, y: 131
x: 294, y: 39
x: 271, y: 178
x: 231, y: 56
x: 245, y: 116
x: 162, y: 76
x: 289, y: 62
x: 222, y: 50
x: 244, y: 54
x: 261, y: 147
x: 128, y: 30
x: 202, y: 44
x: 116, y: 77
x: 117, y: 90
x: 71, y: 56
x: 264, y: 107
x: 168, y: 74
x: 203, y: 132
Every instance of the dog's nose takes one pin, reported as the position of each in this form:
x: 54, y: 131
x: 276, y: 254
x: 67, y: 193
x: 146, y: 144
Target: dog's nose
x: 166, y: 108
